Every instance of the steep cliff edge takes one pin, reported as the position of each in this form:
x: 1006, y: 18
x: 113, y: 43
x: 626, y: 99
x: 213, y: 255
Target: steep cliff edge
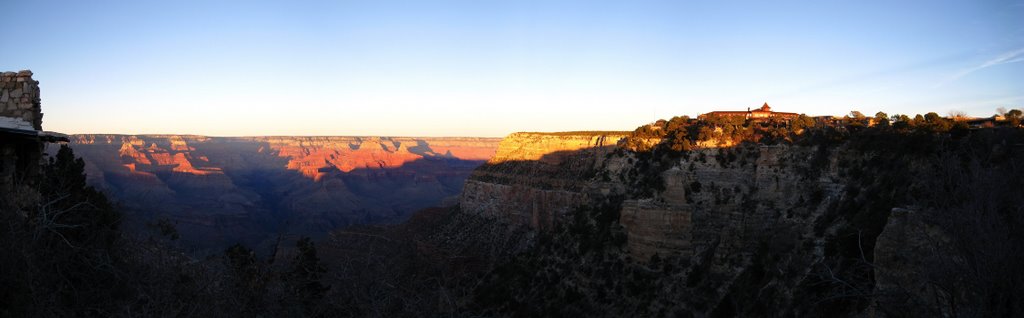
x: 760, y: 229
x: 551, y: 148
x: 534, y: 178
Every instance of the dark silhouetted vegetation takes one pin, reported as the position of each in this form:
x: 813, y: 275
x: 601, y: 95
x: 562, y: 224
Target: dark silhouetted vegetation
x: 66, y: 257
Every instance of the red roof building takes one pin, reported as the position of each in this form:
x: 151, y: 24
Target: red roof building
x: 765, y: 112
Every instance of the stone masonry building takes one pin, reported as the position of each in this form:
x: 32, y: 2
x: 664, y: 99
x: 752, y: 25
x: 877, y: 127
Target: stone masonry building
x: 763, y: 113
x: 22, y: 138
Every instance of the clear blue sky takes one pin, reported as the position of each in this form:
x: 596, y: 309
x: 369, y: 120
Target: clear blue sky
x: 488, y: 68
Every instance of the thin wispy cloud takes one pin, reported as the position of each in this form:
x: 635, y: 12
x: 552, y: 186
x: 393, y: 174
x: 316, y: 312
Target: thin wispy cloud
x: 377, y: 68
x: 877, y: 76
x: 1005, y: 58
x: 1015, y: 60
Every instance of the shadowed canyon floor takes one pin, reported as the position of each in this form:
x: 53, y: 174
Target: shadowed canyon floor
x: 223, y: 190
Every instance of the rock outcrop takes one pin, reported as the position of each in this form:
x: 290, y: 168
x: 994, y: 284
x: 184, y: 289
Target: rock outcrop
x: 553, y: 148
x: 739, y: 197
x: 656, y: 228
x: 719, y: 209
x: 722, y: 198
x: 812, y: 227
x: 535, y: 178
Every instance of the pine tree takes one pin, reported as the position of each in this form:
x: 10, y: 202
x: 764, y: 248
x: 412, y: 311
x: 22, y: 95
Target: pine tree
x: 304, y: 277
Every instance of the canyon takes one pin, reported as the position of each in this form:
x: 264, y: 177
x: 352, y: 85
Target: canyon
x: 684, y: 218
x: 875, y: 222
x: 219, y: 191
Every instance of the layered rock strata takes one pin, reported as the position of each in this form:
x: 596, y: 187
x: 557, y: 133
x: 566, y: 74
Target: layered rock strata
x: 811, y: 228
x: 735, y: 200
x: 656, y: 228
x: 721, y: 199
x: 225, y: 189
x: 536, y: 177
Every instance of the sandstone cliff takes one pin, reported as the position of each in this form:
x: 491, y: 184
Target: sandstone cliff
x: 552, y: 148
x: 736, y: 198
x: 537, y: 177
x: 756, y: 229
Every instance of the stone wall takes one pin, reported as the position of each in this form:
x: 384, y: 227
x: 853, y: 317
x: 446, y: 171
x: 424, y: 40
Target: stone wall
x: 19, y: 97
x: 20, y: 147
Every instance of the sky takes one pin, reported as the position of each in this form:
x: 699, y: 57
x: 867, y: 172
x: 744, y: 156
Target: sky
x: 489, y: 68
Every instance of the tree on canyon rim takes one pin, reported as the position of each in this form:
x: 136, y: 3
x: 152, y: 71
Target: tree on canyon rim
x: 62, y: 254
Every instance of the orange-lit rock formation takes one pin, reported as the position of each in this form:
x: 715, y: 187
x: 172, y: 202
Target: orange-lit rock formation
x: 536, y: 177
x: 226, y: 189
x: 551, y: 147
x: 314, y: 157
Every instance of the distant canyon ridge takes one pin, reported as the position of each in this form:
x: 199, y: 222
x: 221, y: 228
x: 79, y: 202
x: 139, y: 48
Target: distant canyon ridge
x: 218, y: 191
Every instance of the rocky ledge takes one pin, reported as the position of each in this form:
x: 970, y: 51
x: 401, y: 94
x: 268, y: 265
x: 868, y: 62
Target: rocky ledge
x: 536, y: 177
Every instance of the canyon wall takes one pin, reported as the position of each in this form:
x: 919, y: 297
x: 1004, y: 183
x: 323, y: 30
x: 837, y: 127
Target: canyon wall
x: 535, y: 178
x: 219, y: 190
x: 716, y: 211
x: 727, y: 199
x: 734, y: 199
x: 864, y: 223
x: 552, y: 148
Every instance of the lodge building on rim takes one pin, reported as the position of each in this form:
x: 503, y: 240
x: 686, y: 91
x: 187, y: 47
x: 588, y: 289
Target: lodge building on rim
x: 763, y: 113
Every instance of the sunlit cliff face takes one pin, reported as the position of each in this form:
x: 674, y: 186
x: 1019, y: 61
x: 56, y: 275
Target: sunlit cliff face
x: 178, y: 158
x: 547, y: 147
x: 316, y: 156
x: 313, y: 157
x: 225, y: 190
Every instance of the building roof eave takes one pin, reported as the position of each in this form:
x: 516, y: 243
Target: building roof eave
x: 15, y: 131
x: 49, y: 136
x: 44, y: 136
